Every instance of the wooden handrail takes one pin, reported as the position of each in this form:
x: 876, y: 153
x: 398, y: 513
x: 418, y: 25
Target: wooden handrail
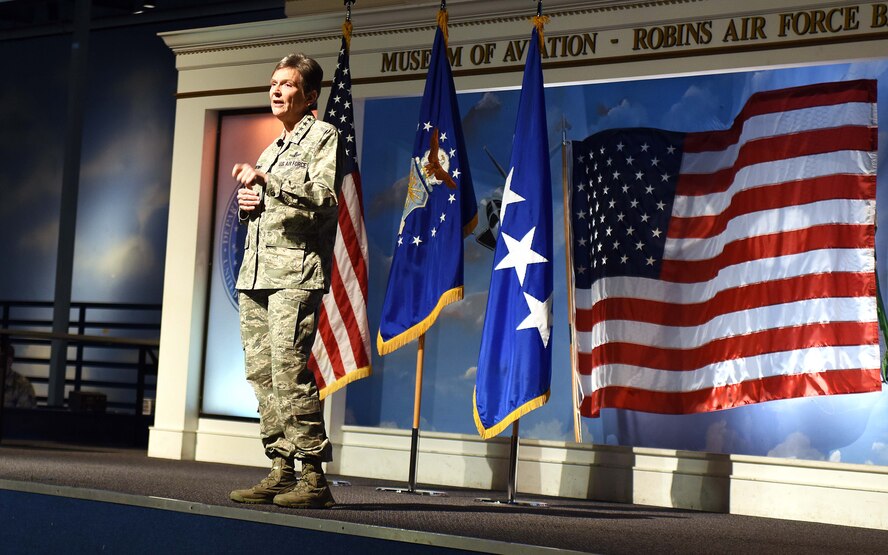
x: 77, y: 338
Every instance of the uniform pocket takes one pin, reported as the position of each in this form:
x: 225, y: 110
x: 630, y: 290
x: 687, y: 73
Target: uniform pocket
x: 283, y: 264
x: 289, y: 226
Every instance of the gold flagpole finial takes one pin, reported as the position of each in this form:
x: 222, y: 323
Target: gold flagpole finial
x: 539, y: 21
x: 442, y: 19
x: 347, y: 24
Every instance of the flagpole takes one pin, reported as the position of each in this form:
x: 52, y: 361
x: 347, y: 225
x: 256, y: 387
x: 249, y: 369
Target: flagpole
x: 530, y: 110
x: 414, y: 439
x: 417, y: 400
x: 511, y: 487
x: 513, y: 463
x: 446, y: 110
x: 571, y: 312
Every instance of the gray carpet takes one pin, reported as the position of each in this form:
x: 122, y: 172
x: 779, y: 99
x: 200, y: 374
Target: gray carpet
x: 569, y: 524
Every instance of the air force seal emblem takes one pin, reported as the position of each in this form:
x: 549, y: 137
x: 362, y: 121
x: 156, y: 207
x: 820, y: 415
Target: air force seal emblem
x: 429, y: 171
x: 232, y: 238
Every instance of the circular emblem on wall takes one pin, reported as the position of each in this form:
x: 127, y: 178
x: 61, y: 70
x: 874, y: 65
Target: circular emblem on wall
x: 231, y: 248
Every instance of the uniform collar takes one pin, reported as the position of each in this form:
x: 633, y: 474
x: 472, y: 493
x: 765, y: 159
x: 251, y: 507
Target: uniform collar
x: 300, y: 130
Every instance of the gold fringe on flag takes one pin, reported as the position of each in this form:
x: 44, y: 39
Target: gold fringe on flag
x: 539, y: 21
x: 442, y: 22
x: 385, y: 347
x: 347, y: 34
x: 496, y: 429
x: 350, y: 377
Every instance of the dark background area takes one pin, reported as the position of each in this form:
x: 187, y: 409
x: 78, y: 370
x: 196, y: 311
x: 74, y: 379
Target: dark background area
x: 128, y: 120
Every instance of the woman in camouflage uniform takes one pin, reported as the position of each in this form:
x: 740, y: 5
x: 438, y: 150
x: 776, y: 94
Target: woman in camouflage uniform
x: 290, y: 203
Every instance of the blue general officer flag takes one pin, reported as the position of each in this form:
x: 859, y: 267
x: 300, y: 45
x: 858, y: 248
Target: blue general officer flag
x: 515, y: 364
x: 440, y: 210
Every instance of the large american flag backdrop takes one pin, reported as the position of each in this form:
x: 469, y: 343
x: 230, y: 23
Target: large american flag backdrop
x: 719, y: 269
x: 341, y: 351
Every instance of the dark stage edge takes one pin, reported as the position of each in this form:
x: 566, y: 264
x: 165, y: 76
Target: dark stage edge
x: 84, y: 481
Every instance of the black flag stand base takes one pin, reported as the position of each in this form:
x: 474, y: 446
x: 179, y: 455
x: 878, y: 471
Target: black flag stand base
x: 411, y: 487
x: 414, y: 442
x: 513, y: 475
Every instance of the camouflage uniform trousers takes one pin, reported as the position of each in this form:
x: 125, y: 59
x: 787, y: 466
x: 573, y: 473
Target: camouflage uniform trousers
x: 278, y: 327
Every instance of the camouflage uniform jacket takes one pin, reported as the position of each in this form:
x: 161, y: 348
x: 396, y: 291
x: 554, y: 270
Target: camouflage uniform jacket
x: 18, y: 392
x: 291, y: 233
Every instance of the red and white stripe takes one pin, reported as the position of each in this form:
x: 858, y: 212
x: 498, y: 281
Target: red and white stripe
x: 767, y: 288
x: 341, y: 351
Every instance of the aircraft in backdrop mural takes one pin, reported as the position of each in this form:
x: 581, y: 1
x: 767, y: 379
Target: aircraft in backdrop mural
x: 487, y: 230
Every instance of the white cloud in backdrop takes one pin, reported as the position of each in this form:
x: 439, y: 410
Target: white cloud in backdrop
x: 796, y: 446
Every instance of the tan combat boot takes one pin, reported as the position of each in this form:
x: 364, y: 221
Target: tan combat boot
x: 312, y: 491
x: 282, y: 478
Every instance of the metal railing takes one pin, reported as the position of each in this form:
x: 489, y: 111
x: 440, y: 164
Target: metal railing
x: 112, y: 349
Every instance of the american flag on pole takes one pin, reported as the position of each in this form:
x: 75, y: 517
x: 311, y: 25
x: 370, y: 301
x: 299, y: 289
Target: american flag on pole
x: 341, y: 351
x: 719, y: 269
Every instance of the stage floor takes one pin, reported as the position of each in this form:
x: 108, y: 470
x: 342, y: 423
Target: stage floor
x: 455, y: 523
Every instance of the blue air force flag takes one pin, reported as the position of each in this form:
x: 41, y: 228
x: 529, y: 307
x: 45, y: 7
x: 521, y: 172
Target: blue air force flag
x: 440, y: 210
x: 515, y: 364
